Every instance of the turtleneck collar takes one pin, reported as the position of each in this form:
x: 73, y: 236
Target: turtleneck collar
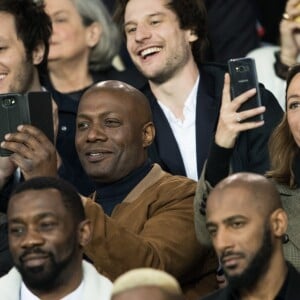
x: 108, y: 195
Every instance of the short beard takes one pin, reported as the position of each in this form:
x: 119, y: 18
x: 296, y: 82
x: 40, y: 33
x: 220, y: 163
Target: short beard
x: 172, y: 67
x: 257, y: 267
x: 39, y: 279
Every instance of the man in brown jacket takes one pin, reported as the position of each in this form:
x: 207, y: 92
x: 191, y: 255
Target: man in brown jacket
x: 141, y: 215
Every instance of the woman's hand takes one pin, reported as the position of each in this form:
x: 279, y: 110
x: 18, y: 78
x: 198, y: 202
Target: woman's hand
x: 230, y: 121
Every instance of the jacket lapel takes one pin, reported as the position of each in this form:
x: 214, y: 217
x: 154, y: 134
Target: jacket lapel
x: 165, y: 142
x: 207, y: 111
x: 165, y: 149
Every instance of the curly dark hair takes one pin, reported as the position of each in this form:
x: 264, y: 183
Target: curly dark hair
x: 191, y: 14
x: 33, y: 25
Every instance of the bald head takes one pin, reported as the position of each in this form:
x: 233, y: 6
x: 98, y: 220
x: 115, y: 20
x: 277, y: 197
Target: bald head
x: 116, y: 85
x: 125, y: 93
x: 260, y: 191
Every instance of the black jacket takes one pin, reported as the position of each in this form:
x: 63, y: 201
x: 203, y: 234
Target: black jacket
x: 251, y: 150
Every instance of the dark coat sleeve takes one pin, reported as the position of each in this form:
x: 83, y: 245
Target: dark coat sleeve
x: 251, y: 152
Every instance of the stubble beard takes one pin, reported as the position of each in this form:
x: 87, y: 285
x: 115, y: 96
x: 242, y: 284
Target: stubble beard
x: 170, y: 68
x: 24, y: 79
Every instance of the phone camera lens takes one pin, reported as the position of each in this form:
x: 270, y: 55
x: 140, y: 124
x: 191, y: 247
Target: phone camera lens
x: 242, y: 69
x: 8, y: 101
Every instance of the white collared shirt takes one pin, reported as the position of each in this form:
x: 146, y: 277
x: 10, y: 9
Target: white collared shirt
x: 77, y: 294
x: 185, y: 131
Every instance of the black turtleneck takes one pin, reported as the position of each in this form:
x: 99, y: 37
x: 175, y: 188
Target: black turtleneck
x: 108, y: 195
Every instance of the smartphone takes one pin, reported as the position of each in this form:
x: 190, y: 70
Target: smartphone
x: 243, y: 77
x: 33, y: 108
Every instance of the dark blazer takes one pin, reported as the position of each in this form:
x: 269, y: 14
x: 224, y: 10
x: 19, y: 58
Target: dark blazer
x: 292, y: 286
x: 251, y: 151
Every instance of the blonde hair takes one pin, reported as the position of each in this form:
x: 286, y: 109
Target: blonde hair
x: 146, y: 277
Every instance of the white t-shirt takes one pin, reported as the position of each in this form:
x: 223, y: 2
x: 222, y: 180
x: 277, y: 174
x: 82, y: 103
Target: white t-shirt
x: 77, y: 294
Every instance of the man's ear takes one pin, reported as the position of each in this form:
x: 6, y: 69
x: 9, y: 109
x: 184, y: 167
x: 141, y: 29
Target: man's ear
x: 148, y: 134
x: 84, y: 232
x: 93, y: 34
x: 192, y: 36
x: 279, y: 222
x: 38, y: 54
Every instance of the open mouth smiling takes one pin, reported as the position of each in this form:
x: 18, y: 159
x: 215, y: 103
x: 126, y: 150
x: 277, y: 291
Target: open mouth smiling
x: 149, y: 51
x: 2, y: 76
x: 97, y: 155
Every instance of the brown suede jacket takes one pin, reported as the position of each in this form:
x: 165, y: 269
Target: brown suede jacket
x: 153, y: 227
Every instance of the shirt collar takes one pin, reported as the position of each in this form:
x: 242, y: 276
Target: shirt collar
x: 26, y: 294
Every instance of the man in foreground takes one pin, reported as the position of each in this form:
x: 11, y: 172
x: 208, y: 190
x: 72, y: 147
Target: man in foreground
x: 47, y: 233
x: 247, y: 224
x: 141, y: 215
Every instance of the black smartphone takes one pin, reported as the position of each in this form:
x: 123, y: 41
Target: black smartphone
x: 33, y: 108
x: 243, y: 77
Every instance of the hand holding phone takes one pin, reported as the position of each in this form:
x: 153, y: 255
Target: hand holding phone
x: 229, y: 125
x: 33, y: 108
x: 243, y: 77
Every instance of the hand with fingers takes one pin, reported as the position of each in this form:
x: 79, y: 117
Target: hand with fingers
x: 7, y: 168
x: 32, y: 151
x: 230, y: 120
x: 290, y: 33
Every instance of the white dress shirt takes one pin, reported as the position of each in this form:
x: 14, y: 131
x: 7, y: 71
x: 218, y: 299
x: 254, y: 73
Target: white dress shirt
x: 185, y: 131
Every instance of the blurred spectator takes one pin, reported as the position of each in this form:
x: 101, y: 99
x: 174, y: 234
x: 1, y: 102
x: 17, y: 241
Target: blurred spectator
x: 146, y: 284
x: 269, y: 15
x: 272, y: 62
